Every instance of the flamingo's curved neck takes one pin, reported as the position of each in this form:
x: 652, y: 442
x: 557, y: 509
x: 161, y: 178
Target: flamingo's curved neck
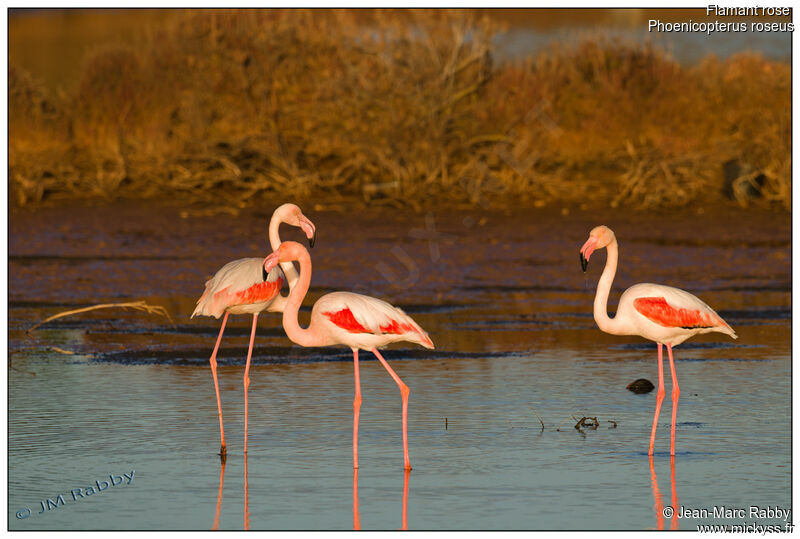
x: 298, y: 335
x: 274, y: 241
x: 604, y: 322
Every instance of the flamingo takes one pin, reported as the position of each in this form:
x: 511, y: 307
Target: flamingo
x: 244, y: 287
x: 656, y: 312
x: 353, y: 320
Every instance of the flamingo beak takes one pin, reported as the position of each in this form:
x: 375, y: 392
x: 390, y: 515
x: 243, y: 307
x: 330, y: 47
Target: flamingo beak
x: 586, y: 252
x: 310, y: 230
x: 271, y: 261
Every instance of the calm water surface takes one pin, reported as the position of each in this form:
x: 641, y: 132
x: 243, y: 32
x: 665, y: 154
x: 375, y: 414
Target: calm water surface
x: 510, y: 313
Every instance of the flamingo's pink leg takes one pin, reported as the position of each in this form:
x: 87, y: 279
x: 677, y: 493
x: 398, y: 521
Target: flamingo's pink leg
x: 659, y: 396
x: 356, y: 409
x: 676, y: 392
x: 404, y: 391
x: 213, y: 362
x: 247, y: 377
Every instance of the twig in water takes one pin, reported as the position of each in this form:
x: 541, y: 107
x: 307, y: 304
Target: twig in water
x: 537, y: 415
x: 562, y: 423
x: 138, y: 305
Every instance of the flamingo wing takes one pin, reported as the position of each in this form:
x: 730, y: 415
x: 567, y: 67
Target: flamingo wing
x: 240, y: 282
x: 675, y: 308
x: 356, y: 313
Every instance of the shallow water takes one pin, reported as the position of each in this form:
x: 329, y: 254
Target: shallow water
x: 510, y: 313
x: 686, y: 47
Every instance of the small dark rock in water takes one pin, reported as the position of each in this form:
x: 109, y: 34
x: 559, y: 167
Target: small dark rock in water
x: 642, y: 385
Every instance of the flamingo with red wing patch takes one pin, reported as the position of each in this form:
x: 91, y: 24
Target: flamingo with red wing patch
x: 354, y: 320
x: 243, y: 286
x: 663, y: 314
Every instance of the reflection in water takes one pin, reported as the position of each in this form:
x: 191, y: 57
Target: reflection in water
x: 246, y: 506
x: 675, y: 506
x: 404, y: 516
x: 659, y: 501
x: 215, y: 526
x: 356, y: 519
x: 406, y: 475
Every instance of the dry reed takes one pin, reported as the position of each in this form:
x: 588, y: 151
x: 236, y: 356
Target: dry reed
x: 137, y: 305
x: 221, y: 107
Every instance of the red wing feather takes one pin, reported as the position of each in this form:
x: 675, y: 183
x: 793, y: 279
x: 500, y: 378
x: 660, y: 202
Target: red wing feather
x: 345, y: 320
x: 664, y: 314
x: 397, y: 329
x: 258, y: 293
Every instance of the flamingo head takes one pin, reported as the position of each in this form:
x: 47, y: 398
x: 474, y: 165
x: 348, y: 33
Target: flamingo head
x: 600, y: 236
x: 286, y: 252
x: 291, y: 214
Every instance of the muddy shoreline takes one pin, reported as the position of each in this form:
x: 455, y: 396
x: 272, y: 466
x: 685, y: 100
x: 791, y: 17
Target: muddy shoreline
x: 461, y: 273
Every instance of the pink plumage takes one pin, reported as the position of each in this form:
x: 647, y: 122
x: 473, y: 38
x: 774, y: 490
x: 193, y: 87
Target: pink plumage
x: 243, y: 286
x: 656, y: 312
x: 354, y: 320
x: 240, y: 288
x: 365, y: 322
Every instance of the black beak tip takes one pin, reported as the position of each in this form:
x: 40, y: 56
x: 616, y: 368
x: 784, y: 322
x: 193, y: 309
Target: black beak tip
x: 312, y: 240
x: 584, y: 262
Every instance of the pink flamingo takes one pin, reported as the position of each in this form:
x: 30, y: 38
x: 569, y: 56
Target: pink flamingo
x: 656, y: 312
x: 245, y: 287
x: 344, y: 318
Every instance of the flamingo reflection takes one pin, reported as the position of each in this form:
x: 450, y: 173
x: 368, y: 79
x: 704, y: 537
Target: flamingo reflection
x: 215, y: 526
x: 246, y: 506
x: 675, y: 502
x: 356, y: 518
x: 404, y: 516
x: 406, y: 475
x: 658, y: 499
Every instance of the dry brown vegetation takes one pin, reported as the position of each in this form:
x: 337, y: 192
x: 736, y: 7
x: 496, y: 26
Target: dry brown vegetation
x: 225, y: 106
